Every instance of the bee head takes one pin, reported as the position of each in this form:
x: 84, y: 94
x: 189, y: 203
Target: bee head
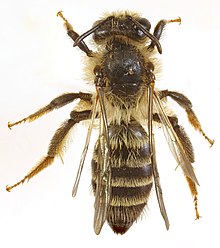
x: 121, y: 25
x: 132, y: 27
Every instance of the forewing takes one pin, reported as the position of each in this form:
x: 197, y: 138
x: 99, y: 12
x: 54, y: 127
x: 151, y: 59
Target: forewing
x: 158, y: 186
x: 83, y: 156
x: 173, y: 140
x: 153, y: 156
x: 103, y: 189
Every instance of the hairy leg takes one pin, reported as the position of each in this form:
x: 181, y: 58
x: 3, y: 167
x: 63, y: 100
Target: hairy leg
x: 188, y: 149
x: 56, y: 103
x: 73, y: 35
x: 186, y: 104
x: 56, y: 146
x: 158, y: 30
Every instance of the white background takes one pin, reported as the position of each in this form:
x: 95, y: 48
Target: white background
x: 37, y: 63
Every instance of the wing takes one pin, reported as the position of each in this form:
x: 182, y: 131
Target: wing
x: 173, y: 140
x: 158, y: 188
x: 153, y: 157
x: 103, y: 188
x: 85, y: 149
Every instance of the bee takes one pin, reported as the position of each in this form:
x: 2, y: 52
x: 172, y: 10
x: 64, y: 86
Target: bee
x: 126, y: 105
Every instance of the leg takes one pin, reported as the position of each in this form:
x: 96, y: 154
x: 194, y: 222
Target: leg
x: 194, y: 192
x: 56, y: 146
x: 56, y: 103
x: 158, y: 30
x: 188, y: 149
x: 183, y: 137
x: 73, y: 35
x: 186, y: 104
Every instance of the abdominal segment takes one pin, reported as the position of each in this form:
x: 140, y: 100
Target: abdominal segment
x: 131, y: 174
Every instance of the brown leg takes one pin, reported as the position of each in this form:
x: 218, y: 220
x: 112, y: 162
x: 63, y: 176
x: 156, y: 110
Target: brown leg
x: 188, y: 149
x: 158, y: 30
x: 73, y: 35
x: 186, y: 104
x: 182, y: 135
x: 194, y: 192
x: 56, y: 146
x: 56, y: 103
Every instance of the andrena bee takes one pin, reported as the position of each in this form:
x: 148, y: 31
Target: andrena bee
x: 125, y: 105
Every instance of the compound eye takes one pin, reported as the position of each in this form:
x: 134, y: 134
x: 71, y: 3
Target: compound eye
x: 103, y: 30
x: 145, y: 23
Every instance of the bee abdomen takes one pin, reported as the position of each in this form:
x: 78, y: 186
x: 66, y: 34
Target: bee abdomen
x: 125, y: 209
x: 130, y: 191
x: 131, y: 174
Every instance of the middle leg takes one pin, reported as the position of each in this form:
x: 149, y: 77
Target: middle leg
x: 186, y: 104
x: 56, y: 103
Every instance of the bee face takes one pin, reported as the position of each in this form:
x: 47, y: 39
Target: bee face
x: 121, y: 25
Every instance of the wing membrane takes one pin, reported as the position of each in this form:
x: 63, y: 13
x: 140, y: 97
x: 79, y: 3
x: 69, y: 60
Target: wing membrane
x: 103, y: 192
x: 85, y: 149
x: 158, y: 187
x: 153, y: 157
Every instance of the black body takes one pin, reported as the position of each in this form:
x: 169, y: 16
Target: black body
x: 126, y: 104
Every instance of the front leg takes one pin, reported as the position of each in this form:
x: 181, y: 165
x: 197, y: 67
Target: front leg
x: 158, y: 30
x: 73, y: 35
